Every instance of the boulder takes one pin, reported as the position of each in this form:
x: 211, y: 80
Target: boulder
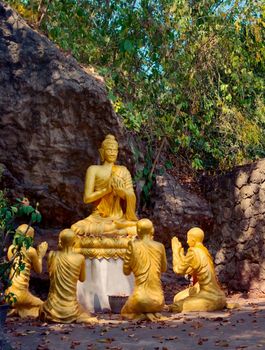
x: 176, y: 210
x: 54, y: 116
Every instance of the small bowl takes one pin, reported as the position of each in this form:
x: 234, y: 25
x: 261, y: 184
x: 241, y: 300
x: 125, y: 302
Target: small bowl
x: 116, y: 303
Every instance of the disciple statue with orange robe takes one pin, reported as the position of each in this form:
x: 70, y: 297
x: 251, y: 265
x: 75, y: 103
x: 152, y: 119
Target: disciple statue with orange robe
x: 103, y: 236
x: 26, y: 304
x: 65, y: 269
x: 146, y: 259
x: 205, y: 294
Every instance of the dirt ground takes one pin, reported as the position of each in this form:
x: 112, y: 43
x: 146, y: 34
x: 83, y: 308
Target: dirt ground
x: 235, y: 329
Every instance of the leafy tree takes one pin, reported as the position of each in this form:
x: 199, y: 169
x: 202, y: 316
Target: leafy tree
x: 191, y: 72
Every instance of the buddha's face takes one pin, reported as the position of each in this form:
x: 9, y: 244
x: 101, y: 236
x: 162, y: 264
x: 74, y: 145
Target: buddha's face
x: 110, y: 153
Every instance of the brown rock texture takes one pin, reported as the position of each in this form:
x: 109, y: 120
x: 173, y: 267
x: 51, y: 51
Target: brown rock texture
x: 54, y: 116
x: 238, y: 238
x: 176, y: 210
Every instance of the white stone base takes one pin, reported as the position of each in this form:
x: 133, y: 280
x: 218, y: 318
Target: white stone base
x: 103, y: 278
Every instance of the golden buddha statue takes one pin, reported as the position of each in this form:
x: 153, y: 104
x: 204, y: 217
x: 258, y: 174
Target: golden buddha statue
x: 205, y: 294
x: 65, y: 269
x: 146, y: 258
x: 103, y: 236
x: 26, y: 304
x: 109, y: 187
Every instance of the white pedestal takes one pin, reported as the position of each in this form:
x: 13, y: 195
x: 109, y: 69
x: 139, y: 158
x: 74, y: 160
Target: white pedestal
x: 103, y: 278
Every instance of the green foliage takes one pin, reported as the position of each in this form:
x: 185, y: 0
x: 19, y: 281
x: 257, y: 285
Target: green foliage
x: 8, y: 215
x: 192, y: 71
x: 147, y: 178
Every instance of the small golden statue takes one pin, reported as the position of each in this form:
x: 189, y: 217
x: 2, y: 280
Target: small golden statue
x: 65, y: 269
x: 205, y: 294
x: 26, y: 305
x: 146, y: 258
x: 106, y: 232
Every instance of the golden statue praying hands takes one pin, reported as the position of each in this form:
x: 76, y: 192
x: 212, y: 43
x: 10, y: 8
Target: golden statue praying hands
x: 205, y: 294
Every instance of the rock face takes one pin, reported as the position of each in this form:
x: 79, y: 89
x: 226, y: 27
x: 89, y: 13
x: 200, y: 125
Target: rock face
x: 176, y: 210
x: 54, y: 116
x: 238, y: 239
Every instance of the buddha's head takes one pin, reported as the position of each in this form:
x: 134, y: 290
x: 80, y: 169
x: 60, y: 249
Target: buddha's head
x: 66, y: 238
x: 24, y: 229
x: 109, y: 149
x: 145, y: 228
x: 195, y: 235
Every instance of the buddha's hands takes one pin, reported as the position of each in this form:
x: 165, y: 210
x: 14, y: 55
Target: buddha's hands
x: 118, y: 186
x: 42, y: 249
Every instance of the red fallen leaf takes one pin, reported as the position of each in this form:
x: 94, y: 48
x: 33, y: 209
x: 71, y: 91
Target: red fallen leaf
x: 106, y: 340
x: 171, y: 338
x: 197, y: 325
x: 20, y: 334
x: 42, y: 347
x: 64, y: 337
x: 45, y: 333
x: 222, y: 343
x: 160, y: 337
x: 74, y: 344
x: 216, y: 319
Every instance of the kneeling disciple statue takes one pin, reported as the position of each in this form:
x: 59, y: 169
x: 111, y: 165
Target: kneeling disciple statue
x: 146, y: 259
x: 205, y: 294
x: 103, y: 236
x: 65, y: 269
x: 26, y: 305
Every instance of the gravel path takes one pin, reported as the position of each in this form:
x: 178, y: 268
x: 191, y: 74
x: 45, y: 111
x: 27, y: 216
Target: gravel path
x: 236, y: 329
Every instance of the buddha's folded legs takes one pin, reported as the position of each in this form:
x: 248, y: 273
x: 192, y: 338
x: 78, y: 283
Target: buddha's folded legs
x: 90, y: 226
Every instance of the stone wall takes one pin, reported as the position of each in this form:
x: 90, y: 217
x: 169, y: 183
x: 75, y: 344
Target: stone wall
x: 238, y: 238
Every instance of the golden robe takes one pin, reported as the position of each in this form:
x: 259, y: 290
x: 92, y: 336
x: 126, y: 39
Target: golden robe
x: 205, y: 294
x: 146, y: 259
x: 110, y: 212
x: 61, y: 305
x: 26, y: 303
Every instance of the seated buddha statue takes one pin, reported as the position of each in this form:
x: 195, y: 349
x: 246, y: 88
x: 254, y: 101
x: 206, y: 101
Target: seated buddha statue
x: 26, y: 305
x: 103, y: 236
x: 146, y: 259
x: 66, y: 268
x: 206, y: 293
x: 109, y: 188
